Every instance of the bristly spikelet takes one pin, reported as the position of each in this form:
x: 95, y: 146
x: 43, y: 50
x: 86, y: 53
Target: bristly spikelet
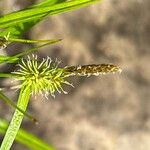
x: 43, y: 77
x: 46, y: 77
x: 94, y: 69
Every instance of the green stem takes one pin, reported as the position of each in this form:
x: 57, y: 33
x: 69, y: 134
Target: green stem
x: 5, y: 75
x: 33, y: 41
x: 34, y: 49
x: 11, y: 103
x: 26, y: 138
x: 16, y: 119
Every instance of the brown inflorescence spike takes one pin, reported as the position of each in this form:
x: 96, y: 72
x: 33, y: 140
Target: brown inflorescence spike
x: 94, y: 69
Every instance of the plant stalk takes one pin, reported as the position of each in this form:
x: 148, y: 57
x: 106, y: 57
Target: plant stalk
x: 16, y: 119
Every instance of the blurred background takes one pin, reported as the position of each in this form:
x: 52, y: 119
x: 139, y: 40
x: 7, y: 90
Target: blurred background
x: 110, y: 112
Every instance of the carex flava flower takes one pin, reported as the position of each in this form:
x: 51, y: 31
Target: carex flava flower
x: 46, y: 77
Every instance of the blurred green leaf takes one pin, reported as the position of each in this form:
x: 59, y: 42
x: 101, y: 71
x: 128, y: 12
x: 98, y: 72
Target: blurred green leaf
x: 26, y: 138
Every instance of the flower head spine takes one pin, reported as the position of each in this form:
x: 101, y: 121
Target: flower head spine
x: 43, y: 77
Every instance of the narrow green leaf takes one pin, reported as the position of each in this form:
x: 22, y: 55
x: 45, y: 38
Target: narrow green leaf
x: 20, y: 21
x: 16, y: 119
x: 23, y: 15
x: 4, y: 75
x: 11, y: 103
x: 48, y: 3
x: 26, y: 138
x: 14, y: 59
x: 7, y: 59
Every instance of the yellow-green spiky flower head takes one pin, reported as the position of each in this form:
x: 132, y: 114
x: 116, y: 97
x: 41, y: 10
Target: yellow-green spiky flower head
x: 43, y: 77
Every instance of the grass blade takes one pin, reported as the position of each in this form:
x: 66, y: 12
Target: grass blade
x: 11, y: 103
x: 16, y: 119
x: 18, y: 22
x: 26, y: 138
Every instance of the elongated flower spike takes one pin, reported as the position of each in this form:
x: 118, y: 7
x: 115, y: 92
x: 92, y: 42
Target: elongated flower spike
x: 46, y: 77
x: 94, y: 69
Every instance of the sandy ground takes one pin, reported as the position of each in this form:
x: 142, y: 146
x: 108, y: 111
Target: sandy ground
x: 110, y: 112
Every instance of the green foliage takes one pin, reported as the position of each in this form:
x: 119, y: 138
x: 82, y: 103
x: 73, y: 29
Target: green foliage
x: 17, y: 57
x: 11, y: 103
x: 12, y: 27
x: 18, y: 22
x: 26, y: 138
x: 16, y: 119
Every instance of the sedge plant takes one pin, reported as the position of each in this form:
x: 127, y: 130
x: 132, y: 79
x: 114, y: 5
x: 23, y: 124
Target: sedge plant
x: 37, y: 76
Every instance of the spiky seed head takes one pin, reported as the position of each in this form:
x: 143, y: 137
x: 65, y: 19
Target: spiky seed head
x: 43, y: 77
